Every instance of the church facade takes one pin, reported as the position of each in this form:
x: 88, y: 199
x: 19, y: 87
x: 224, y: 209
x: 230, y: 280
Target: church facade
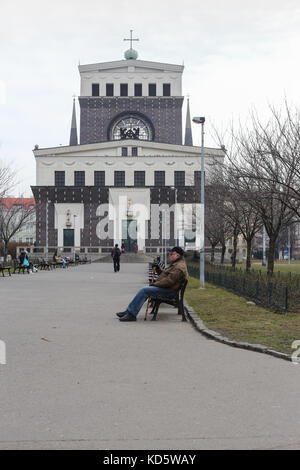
x: 129, y: 180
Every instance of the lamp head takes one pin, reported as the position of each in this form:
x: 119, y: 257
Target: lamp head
x: 199, y: 120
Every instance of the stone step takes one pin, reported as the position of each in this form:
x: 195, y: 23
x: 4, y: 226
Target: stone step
x: 129, y: 258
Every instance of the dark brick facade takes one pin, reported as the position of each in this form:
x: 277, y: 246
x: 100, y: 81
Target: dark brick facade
x: 97, y: 113
x: 92, y: 197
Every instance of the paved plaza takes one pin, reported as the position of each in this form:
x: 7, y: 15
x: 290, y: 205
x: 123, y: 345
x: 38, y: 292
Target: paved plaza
x: 77, y: 378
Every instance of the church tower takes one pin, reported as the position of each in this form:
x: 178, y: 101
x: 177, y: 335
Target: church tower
x: 131, y: 98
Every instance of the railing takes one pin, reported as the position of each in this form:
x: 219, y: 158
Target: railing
x: 277, y: 294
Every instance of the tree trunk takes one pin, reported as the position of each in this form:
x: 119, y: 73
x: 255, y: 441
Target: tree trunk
x: 4, y: 250
x: 248, y: 261
x: 271, y: 255
x: 212, y: 254
x: 235, y: 240
x: 223, y: 253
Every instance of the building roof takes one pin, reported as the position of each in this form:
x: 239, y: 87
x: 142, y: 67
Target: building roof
x: 26, y: 202
x: 117, y: 64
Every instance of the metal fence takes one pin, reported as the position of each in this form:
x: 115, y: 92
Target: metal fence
x: 269, y: 293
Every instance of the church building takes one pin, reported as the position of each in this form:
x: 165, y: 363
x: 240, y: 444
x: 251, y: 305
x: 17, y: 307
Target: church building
x: 130, y: 166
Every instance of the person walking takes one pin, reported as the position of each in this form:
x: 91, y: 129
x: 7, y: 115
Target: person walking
x: 24, y: 261
x: 115, y: 254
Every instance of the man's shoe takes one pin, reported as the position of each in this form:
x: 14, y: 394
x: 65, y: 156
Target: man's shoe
x: 122, y: 314
x: 128, y: 317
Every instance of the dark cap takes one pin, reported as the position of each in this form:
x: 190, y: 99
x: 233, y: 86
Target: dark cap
x: 178, y: 250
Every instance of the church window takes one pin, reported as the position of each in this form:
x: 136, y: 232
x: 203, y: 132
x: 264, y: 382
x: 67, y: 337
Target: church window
x: 131, y: 127
x: 179, y: 178
x: 159, y: 178
x: 124, y: 151
x: 79, y: 178
x: 166, y: 89
x: 109, y: 89
x: 119, y: 178
x: 152, y: 89
x: 138, y: 89
x: 134, y: 151
x: 124, y: 89
x: 59, y: 178
x: 95, y: 89
x: 99, y: 178
x: 139, y: 178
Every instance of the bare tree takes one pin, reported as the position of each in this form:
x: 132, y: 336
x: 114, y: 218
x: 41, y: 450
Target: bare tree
x: 287, y: 237
x: 217, y: 228
x: 7, y: 179
x: 287, y: 153
x: 255, y: 163
x: 13, y: 217
x: 239, y: 215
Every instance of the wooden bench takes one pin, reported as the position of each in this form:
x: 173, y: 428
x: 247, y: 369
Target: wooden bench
x: 177, y: 302
x: 19, y: 266
x: 58, y: 264
x: 5, y: 268
x: 43, y: 264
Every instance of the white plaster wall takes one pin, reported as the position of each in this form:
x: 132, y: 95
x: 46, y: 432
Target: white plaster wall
x: 136, y: 75
x: 76, y: 209
x: 46, y: 168
x: 140, y: 207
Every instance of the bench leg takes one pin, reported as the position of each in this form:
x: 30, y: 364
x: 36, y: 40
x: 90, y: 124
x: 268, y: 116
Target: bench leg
x: 181, y: 312
x: 155, y: 311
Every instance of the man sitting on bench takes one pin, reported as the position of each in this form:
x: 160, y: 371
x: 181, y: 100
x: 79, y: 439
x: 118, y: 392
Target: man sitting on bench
x: 167, y: 285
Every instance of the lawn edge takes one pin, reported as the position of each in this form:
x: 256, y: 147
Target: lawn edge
x: 199, y: 325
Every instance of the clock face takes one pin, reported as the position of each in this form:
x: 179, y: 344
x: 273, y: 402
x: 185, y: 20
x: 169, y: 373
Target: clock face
x: 131, y: 127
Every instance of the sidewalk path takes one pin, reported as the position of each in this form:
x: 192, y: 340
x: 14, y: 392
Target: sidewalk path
x: 77, y: 378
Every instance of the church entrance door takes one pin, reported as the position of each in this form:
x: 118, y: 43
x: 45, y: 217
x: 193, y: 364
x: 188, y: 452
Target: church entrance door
x: 129, y: 234
x: 68, y: 237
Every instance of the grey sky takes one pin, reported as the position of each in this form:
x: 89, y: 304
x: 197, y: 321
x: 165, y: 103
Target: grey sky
x: 236, y: 55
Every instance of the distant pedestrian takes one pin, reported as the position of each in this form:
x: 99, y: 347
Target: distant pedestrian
x: 123, y: 248
x: 24, y: 261
x: 59, y: 259
x: 115, y: 254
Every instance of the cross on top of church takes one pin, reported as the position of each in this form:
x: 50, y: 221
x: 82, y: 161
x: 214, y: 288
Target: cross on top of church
x: 131, y: 39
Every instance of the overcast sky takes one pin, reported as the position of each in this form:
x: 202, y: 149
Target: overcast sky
x: 237, y: 54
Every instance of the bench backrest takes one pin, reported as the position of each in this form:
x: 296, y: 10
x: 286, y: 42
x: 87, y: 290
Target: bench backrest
x: 182, y: 289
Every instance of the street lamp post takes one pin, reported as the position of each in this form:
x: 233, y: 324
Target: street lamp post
x: 201, y: 120
x: 289, y: 244
x: 74, y: 237
x: 175, y: 218
x: 264, y: 263
x: 47, y: 239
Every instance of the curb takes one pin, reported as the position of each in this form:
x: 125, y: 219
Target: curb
x: 199, y: 325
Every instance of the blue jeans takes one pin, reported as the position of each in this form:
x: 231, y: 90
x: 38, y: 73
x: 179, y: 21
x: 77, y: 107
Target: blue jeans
x: 137, y: 302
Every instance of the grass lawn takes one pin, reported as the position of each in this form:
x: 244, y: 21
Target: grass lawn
x: 231, y: 316
x: 281, y: 266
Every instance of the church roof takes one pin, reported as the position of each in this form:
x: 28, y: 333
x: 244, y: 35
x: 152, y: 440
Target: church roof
x: 87, y: 149
x: 188, y: 138
x: 73, y: 133
x: 116, y: 64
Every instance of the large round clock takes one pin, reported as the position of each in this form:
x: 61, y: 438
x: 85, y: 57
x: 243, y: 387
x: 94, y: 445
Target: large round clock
x: 131, y: 127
